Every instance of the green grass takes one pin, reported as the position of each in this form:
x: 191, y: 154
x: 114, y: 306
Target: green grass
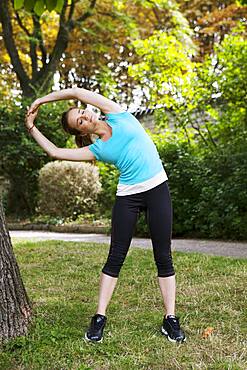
x: 62, y: 282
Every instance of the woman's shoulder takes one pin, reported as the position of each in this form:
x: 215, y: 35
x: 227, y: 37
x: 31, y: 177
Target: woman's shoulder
x: 116, y: 113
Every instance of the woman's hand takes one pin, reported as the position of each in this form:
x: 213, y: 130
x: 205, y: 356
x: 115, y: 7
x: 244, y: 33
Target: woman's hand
x: 30, y: 117
x: 34, y: 107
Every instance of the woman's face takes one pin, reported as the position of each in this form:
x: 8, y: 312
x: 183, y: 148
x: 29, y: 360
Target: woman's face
x: 83, y: 120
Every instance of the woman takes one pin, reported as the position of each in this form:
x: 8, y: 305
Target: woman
x: 142, y: 186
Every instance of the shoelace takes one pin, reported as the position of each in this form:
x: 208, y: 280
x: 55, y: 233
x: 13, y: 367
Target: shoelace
x: 97, y: 323
x: 174, y: 321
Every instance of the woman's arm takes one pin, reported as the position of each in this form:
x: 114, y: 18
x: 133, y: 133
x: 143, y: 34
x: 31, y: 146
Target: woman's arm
x: 80, y: 154
x: 104, y: 104
x: 88, y: 97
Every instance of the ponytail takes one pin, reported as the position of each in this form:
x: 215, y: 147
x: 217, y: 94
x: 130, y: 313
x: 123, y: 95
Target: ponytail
x: 84, y: 140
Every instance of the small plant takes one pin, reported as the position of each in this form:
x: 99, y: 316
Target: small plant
x: 68, y: 189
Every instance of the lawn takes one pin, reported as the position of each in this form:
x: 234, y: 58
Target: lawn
x: 61, y: 279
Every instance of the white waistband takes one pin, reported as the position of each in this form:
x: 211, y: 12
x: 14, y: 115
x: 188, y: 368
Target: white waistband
x: 123, y: 189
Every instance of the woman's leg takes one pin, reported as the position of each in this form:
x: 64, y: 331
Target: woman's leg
x: 159, y: 218
x: 124, y: 217
x: 107, y: 286
x: 168, y: 291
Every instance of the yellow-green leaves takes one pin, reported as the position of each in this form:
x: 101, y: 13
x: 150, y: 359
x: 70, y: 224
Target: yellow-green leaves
x: 18, y: 4
x: 39, y: 6
x: 166, y: 67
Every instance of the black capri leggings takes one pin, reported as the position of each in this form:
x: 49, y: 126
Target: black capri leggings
x: 156, y: 203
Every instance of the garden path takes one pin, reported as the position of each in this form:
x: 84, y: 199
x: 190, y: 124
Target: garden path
x: 211, y: 247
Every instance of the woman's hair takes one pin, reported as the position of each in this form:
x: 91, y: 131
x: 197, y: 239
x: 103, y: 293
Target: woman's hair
x: 79, y: 139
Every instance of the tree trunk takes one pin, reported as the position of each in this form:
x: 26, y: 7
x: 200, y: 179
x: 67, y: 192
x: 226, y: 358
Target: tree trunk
x: 15, y: 309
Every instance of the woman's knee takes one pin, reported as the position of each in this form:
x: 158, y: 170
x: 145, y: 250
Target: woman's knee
x: 164, y: 265
x: 114, y: 264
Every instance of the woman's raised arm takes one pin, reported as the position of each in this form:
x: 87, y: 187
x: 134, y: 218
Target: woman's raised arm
x: 88, y: 97
x: 80, y: 154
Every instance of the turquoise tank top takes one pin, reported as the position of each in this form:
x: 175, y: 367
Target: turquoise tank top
x: 129, y: 148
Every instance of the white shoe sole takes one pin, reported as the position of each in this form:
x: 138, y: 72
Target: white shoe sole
x: 163, y: 331
x: 93, y: 341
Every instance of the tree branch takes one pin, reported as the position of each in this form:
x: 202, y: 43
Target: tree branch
x: 210, y: 135
x: 72, y: 8
x: 88, y: 13
x: 106, y: 14
x: 38, y: 35
x: 60, y: 45
x: 21, y: 24
x: 11, y: 47
x: 32, y: 43
x: 62, y: 40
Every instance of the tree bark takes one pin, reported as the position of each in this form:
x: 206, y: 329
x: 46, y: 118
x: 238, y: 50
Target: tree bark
x: 15, y: 308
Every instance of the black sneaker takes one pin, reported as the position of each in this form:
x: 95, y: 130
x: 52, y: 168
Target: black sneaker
x: 95, y: 331
x: 171, y: 329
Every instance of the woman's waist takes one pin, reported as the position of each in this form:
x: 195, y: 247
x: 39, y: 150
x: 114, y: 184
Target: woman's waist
x: 138, y: 187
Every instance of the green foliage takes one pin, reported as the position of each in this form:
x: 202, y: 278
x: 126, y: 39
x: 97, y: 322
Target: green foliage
x: 210, y: 97
x: 21, y: 157
x: 109, y: 180
x: 39, y: 6
x: 207, y: 177
x: 18, y: 4
x: 166, y: 68
x: 242, y: 2
x: 208, y: 188
x: 221, y: 211
x: 217, y: 109
x: 224, y: 89
x: 68, y: 189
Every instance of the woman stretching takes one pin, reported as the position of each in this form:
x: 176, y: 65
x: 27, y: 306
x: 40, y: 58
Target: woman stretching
x: 142, y: 186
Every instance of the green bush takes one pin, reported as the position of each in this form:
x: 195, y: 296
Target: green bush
x: 208, y: 189
x: 109, y: 180
x: 68, y: 189
x: 21, y: 157
x: 221, y: 211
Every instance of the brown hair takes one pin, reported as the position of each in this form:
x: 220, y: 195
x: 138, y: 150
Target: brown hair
x: 80, y: 140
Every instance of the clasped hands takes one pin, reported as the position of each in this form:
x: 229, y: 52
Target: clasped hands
x: 32, y: 113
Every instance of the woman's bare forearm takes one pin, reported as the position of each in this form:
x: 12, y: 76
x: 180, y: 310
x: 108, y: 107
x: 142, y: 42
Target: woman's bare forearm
x: 65, y: 94
x: 84, y: 95
x: 45, y: 144
x: 78, y: 154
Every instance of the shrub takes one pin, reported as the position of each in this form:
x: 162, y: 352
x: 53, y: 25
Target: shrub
x: 21, y: 157
x: 208, y: 189
x: 221, y: 210
x: 109, y: 180
x: 68, y: 188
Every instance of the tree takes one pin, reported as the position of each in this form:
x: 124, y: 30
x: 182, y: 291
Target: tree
x: 15, y: 308
x: 210, y: 97
x: 40, y: 78
x: 211, y: 20
x: 88, y: 43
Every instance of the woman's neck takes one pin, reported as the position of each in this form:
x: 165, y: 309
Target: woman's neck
x: 103, y: 130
